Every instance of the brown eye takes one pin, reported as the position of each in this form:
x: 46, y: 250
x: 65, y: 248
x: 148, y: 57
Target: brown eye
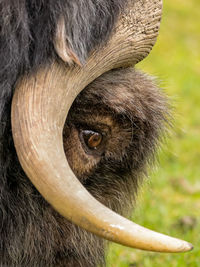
x: 92, y: 139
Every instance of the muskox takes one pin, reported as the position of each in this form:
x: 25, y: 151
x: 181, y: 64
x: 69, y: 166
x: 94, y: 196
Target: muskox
x: 58, y: 172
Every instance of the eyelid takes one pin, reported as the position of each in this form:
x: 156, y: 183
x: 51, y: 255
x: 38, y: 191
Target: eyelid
x: 101, y: 128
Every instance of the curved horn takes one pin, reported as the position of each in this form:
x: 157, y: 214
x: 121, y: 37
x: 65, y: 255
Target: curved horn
x: 39, y: 109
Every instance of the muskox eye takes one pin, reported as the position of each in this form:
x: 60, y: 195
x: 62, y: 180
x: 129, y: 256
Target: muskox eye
x: 92, y: 139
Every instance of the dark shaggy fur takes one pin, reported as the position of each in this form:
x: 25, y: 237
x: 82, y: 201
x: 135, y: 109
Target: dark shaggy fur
x: 128, y: 104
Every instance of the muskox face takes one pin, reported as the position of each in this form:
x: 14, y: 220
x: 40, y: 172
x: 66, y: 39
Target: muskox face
x: 112, y: 145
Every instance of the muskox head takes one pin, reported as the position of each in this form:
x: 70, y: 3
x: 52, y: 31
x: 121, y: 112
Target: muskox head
x: 39, y: 109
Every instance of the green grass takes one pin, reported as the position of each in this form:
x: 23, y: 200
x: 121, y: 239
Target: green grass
x: 173, y: 190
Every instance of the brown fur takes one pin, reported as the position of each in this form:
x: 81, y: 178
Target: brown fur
x: 132, y: 110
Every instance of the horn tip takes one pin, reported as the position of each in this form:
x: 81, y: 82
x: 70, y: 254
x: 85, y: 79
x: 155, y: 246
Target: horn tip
x: 187, y: 247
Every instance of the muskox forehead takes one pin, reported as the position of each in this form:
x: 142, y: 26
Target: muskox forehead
x: 124, y: 92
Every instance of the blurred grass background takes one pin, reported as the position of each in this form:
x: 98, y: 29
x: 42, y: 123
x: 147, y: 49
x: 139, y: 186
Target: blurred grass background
x: 170, y: 201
